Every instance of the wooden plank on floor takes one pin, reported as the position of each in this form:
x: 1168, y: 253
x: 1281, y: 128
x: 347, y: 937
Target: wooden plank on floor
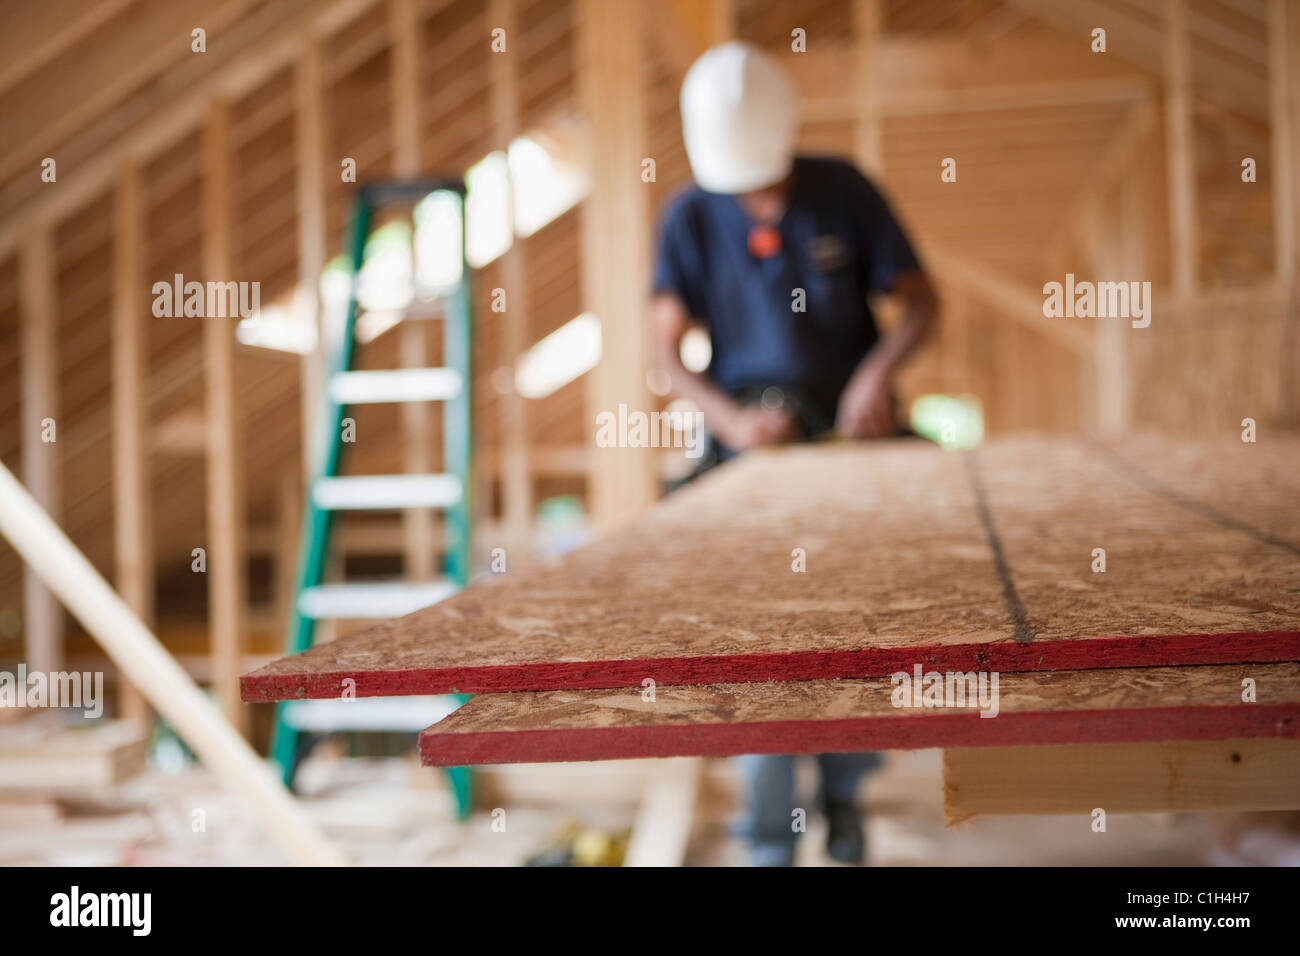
x: 715, y: 720
x: 662, y: 829
x: 55, y: 759
x: 911, y: 554
x: 1153, y: 777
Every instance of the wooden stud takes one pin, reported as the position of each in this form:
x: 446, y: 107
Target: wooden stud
x: 42, y: 616
x: 517, y: 482
x: 284, y: 553
x: 404, y: 28
x: 133, y: 530
x: 1180, y: 149
x: 225, y: 549
x: 683, y: 29
x: 616, y: 230
x: 1283, y: 74
x: 867, y: 126
x: 309, y: 117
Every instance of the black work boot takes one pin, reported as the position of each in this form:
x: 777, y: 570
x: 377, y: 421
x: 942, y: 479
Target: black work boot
x: 845, y: 840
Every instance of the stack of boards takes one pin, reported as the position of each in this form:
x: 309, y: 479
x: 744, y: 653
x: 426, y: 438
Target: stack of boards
x: 1130, y: 592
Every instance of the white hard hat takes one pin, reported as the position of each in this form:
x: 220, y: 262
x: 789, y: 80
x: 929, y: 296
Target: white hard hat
x: 739, y: 119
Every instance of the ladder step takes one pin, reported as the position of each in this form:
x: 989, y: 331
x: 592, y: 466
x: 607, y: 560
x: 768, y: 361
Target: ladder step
x: 371, y: 599
x: 395, y: 385
x: 386, y: 492
x: 411, y: 714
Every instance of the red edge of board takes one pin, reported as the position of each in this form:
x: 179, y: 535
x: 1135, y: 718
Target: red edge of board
x: 1060, y: 654
x: 1132, y: 725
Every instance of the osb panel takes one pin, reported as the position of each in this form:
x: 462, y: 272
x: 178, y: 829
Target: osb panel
x: 913, y: 554
x: 1138, y: 704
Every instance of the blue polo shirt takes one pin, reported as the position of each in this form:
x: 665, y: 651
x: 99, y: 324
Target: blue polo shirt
x: 839, y: 241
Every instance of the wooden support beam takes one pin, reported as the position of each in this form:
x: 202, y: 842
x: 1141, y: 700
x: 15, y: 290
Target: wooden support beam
x: 1011, y: 299
x: 284, y: 548
x: 1157, y: 777
x: 133, y: 530
x: 834, y: 104
x: 683, y: 29
x: 1284, y: 77
x: 36, y: 33
x: 155, y: 38
x: 615, y: 241
x: 867, y: 27
x: 1110, y: 168
x: 517, y: 481
x: 404, y: 88
x: 1118, y: 254
x: 1140, y: 40
x: 42, y: 616
x: 309, y: 119
x: 1180, y: 149
x: 225, y: 538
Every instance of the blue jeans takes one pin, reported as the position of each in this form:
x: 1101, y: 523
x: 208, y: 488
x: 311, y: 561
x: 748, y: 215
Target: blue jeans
x: 768, y: 823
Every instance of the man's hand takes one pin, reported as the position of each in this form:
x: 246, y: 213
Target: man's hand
x: 866, y: 406
x: 751, y: 425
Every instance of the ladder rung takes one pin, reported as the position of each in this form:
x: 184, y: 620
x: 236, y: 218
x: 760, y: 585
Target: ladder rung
x: 395, y: 385
x: 371, y: 599
x: 385, y: 492
x: 434, y: 307
x: 368, y: 713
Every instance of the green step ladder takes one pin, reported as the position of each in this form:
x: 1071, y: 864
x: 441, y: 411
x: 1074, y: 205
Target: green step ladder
x: 330, y: 492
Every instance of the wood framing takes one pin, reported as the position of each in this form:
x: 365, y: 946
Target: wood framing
x: 717, y: 720
x: 132, y: 528
x: 1180, y: 149
x: 911, y: 553
x: 1150, y: 777
x: 868, y: 149
x: 404, y: 90
x: 309, y: 119
x: 225, y: 538
x: 615, y: 245
x: 1284, y: 76
x: 1012, y: 299
x: 136, y: 652
x: 516, y: 476
x: 184, y: 114
x: 42, y: 616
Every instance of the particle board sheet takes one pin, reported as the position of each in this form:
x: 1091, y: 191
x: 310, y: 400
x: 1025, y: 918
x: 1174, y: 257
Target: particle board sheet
x: 861, y: 559
x: 1028, y: 708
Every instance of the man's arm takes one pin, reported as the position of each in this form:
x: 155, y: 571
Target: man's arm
x: 866, y: 407
x: 736, y: 426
